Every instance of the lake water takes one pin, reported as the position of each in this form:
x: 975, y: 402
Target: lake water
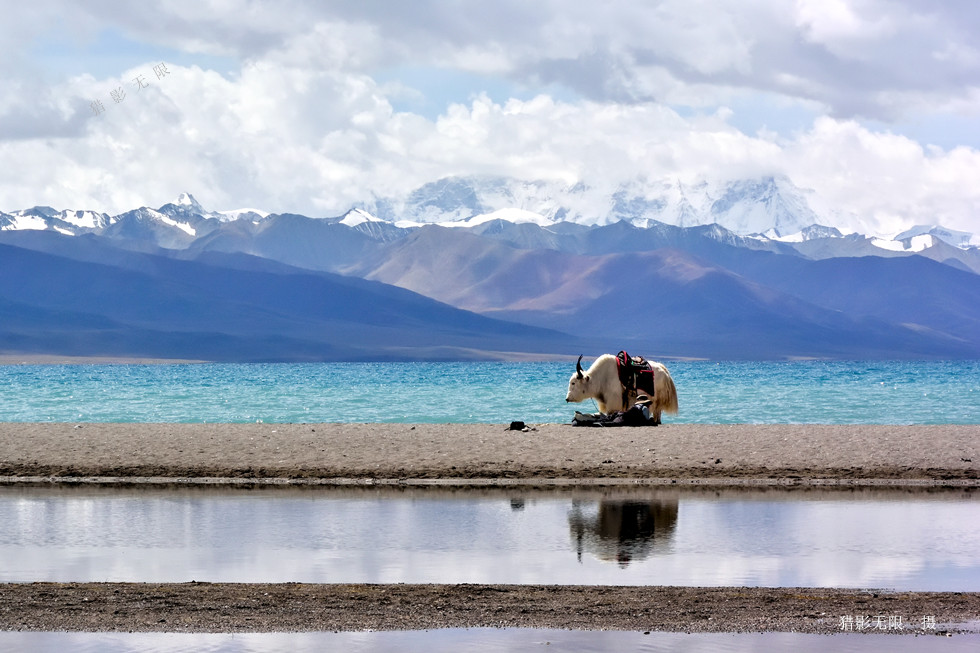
x: 902, y: 540
x: 856, y: 538
x: 907, y: 392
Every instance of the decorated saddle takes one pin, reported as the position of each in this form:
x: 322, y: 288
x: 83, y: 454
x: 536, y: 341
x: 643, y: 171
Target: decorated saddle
x: 635, y: 373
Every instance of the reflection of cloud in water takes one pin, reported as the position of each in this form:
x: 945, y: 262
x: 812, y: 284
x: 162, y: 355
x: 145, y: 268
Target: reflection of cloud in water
x: 480, y: 639
x: 622, y: 531
x: 919, y: 541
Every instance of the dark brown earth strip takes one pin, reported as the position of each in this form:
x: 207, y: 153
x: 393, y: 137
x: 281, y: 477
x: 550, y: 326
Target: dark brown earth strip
x: 206, y: 607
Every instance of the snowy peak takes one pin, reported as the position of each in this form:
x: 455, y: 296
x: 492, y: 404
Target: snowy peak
x: 170, y: 227
x: 911, y: 244
x: 185, y: 208
x: 36, y: 218
x: 767, y: 212
x: 514, y: 216
x: 813, y: 232
x: 756, y: 206
x: 85, y: 219
x: 251, y: 215
x: 37, y: 212
x: 152, y: 216
x: 923, y: 237
x: 457, y: 199
x: 24, y: 221
x: 45, y: 218
x: 356, y: 217
x: 374, y: 227
x: 452, y: 198
x: 745, y: 206
x: 187, y: 200
x: 949, y: 236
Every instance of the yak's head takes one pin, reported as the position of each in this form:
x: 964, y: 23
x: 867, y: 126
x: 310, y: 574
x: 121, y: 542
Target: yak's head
x: 578, y: 385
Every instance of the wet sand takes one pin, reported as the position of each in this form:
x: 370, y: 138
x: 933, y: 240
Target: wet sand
x: 484, y: 455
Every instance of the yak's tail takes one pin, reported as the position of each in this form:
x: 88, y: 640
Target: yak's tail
x: 666, y: 396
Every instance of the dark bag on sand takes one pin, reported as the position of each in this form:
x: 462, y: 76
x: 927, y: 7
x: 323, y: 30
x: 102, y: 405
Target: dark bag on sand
x: 638, y: 415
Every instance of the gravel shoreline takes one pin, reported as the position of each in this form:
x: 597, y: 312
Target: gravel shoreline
x: 285, y: 607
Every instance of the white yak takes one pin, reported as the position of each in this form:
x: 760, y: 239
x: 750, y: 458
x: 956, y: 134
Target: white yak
x: 601, y: 382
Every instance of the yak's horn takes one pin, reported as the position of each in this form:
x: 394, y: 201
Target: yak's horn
x: 578, y: 366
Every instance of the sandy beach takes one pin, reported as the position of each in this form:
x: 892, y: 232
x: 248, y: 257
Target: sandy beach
x: 486, y: 455
x: 467, y: 453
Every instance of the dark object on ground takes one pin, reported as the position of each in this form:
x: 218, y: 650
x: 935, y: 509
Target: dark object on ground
x: 638, y: 415
x: 517, y: 426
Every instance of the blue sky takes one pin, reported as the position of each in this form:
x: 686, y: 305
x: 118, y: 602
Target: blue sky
x: 871, y: 106
x: 104, y: 54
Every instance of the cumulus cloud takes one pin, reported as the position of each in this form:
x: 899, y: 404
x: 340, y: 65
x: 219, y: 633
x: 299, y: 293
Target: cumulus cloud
x: 309, y: 119
x: 884, y: 182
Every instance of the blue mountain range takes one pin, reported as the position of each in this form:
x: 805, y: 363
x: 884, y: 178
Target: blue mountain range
x: 180, y: 282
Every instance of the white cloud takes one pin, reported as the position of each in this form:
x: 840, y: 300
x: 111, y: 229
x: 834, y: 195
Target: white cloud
x: 883, y: 182
x: 837, y: 21
x: 664, y: 89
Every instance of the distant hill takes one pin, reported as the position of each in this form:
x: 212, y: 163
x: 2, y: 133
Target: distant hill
x: 489, y: 267
x: 232, y: 308
x: 681, y: 305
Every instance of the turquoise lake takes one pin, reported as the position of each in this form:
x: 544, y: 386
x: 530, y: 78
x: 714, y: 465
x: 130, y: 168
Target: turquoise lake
x: 905, y: 392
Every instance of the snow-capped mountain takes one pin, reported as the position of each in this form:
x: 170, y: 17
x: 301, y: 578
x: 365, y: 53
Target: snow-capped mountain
x: 751, y: 206
x: 184, y: 215
x: 954, y: 238
x: 171, y: 226
x: 38, y: 217
x: 85, y: 219
x: 186, y: 206
x: 186, y: 200
x: 514, y: 216
x: 744, y: 206
x: 175, y: 225
x: 46, y: 218
x: 910, y: 244
x: 254, y: 215
x: 356, y: 217
x: 812, y: 232
x: 759, y: 213
x: 733, y: 270
x: 186, y: 209
x: 364, y: 223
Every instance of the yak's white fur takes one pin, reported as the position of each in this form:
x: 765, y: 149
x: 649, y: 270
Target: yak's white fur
x: 601, y: 382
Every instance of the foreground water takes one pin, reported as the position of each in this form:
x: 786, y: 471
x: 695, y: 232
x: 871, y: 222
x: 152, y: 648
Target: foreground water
x: 484, y: 640
x: 909, y: 392
x: 918, y: 541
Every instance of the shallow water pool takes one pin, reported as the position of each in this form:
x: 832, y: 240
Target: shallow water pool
x: 486, y: 640
x: 903, y: 540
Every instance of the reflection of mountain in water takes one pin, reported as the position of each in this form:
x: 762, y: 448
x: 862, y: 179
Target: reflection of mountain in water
x: 622, y: 531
